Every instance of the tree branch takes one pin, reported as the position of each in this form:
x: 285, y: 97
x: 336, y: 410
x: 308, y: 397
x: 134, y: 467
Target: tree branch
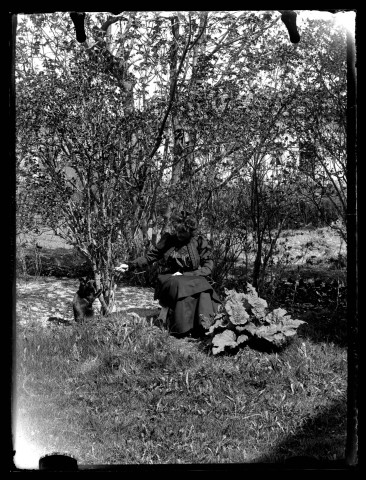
x: 171, y: 97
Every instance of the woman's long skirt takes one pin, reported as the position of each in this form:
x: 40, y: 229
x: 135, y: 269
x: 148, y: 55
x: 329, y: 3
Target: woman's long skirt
x: 189, y: 299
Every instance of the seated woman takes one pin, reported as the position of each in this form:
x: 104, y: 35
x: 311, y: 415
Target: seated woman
x: 182, y: 288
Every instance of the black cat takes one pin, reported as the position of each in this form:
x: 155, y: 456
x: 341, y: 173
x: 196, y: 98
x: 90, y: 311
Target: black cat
x: 83, y: 300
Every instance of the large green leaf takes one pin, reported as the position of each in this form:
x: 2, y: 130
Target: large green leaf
x: 276, y: 316
x: 275, y: 333
x: 242, y: 339
x: 223, y: 341
x: 255, y: 305
x: 235, y: 308
x: 237, y: 313
x: 219, y: 324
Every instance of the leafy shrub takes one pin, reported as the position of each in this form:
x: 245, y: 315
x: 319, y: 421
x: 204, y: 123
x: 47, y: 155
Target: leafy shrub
x: 55, y: 262
x: 245, y: 320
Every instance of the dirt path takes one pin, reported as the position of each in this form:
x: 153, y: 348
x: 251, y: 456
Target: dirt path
x: 39, y: 298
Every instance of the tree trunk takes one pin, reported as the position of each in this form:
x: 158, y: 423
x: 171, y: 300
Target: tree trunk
x: 256, y: 218
x: 176, y: 128
x: 257, y: 265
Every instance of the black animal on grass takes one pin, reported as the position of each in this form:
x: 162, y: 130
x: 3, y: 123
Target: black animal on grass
x: 84, y: 298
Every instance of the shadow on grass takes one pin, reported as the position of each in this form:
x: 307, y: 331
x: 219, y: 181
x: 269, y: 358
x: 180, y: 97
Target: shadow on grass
x: 324, y: 326
x: 59, y: 321
x: 320, y: 443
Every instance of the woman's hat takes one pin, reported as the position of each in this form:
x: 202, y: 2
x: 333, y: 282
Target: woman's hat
x: 184, y: 219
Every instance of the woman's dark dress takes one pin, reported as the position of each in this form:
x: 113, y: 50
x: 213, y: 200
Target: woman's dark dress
x: 189, y: 297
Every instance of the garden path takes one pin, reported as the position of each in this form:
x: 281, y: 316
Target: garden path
x: 37, y: 299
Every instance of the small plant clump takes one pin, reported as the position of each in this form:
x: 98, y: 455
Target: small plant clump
x: 245, y: 320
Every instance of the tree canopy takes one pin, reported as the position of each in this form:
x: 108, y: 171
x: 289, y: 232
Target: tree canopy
x: 163, y: 110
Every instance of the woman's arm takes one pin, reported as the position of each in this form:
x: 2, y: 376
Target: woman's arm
x: 153, y: 255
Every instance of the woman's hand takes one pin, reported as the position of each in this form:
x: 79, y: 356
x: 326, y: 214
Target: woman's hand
x: 122, y: 268
x: 177, y: 273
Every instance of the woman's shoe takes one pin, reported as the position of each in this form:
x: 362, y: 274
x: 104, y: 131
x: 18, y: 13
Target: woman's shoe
x: 163, y: 315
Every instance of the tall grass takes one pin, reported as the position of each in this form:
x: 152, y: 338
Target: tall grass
x: 120, y: 390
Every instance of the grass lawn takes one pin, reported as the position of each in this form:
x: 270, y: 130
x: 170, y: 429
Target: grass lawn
x: 121, y: 391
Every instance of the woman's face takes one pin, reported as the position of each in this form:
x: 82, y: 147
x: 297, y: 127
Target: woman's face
x: 182, y: 233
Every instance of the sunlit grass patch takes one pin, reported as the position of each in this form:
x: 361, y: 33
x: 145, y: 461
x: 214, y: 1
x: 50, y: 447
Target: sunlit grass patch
x: 119, y: 390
